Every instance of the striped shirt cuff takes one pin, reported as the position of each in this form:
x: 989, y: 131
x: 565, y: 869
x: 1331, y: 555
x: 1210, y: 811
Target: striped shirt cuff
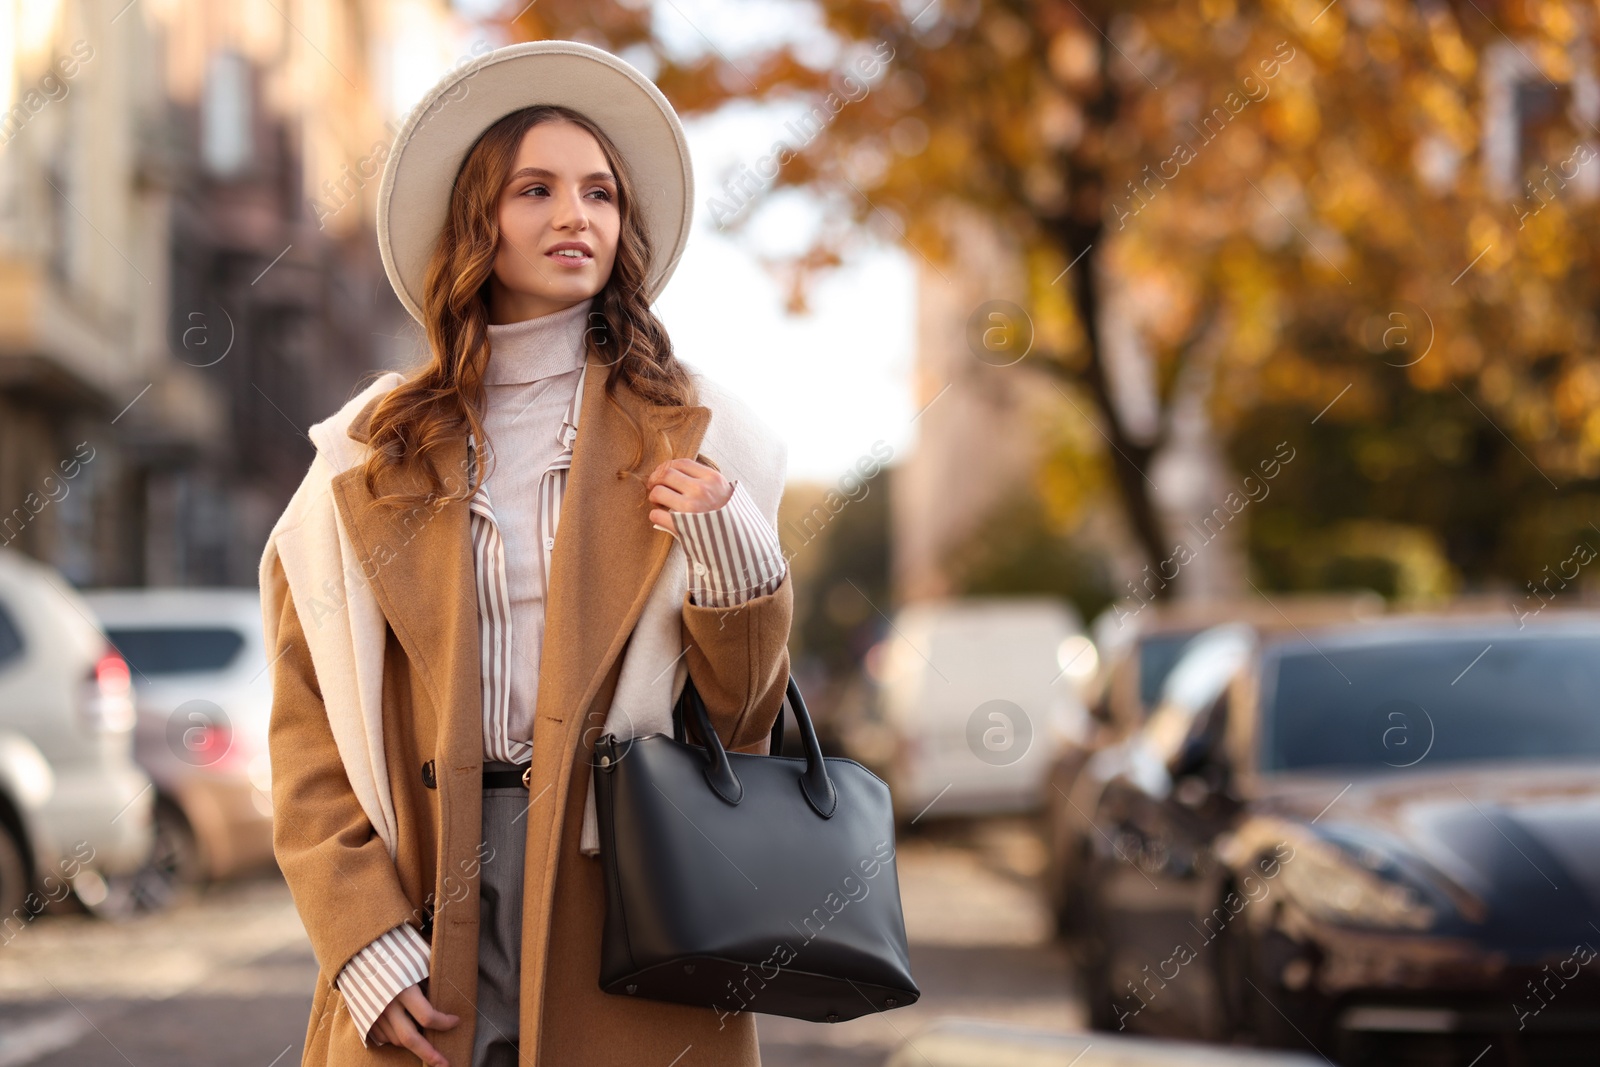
x: 733, y: 552
x: 378, y: 973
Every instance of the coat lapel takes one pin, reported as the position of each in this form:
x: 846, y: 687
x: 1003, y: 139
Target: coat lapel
x: 419, y: 564
x: 607, y: 555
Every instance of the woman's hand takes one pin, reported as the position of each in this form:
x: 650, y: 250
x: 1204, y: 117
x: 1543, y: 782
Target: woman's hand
x: 398, y: 1025
x: 685, y: 485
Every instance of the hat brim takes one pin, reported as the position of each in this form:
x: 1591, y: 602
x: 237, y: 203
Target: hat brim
x: 420, y: 173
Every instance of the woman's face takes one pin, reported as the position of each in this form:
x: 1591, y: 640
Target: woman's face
x: 561, y: 194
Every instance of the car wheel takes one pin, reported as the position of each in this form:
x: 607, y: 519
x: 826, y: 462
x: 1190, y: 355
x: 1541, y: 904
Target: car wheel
x: 1095, y: 977
x: 1070, y: 904
x: 1092, y: 958
x: 1233, y: 967
x: 173, y: 864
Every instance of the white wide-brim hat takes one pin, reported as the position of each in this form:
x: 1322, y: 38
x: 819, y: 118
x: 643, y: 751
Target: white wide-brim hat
x: 414, y: 195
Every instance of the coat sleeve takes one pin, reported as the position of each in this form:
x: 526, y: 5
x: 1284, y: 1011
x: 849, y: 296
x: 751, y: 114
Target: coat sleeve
x: 344, y: 884
x: 739, y: 659
x: 732, y: 553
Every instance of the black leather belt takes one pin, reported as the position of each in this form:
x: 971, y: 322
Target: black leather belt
x: 506, y: 775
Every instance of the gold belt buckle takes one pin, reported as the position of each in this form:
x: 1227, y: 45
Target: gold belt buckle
x: 526, y: 773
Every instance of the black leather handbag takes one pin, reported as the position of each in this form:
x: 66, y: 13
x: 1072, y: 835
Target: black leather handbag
x: 745, y: 882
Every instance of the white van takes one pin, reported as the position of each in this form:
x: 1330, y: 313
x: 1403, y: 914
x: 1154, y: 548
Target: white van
x: 978, y: 693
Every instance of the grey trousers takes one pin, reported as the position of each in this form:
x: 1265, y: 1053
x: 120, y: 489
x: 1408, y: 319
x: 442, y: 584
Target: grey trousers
x: 505, y: 831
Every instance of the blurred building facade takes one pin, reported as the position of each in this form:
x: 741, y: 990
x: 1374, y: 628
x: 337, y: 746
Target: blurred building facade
x: 187, y: 268
x: 976, y: 439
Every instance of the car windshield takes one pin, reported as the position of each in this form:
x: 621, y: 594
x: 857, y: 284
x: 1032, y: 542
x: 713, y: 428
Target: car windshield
x: 177, y: 650
x: 1439, y: 699
x: 1158, y: 654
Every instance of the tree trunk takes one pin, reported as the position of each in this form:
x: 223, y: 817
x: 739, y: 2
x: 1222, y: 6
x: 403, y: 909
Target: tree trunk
x: 1129, y: 459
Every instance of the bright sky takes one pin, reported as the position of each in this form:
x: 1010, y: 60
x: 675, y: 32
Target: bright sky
x: 832, y: 382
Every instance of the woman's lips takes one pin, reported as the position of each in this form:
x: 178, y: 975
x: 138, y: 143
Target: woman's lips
x: 569, y: 261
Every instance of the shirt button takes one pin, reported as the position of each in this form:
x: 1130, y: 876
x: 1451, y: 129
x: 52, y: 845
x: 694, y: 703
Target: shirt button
x: 549, y: 542
x: 700, y: 569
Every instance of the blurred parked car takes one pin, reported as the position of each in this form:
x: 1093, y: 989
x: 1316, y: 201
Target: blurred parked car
x: 1382, y: 841
x: 204, y: 698
x: 75, y: 809
x: 976, y: 694
x: 1139, y: 644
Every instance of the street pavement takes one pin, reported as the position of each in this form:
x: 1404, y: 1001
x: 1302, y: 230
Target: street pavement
x: 224, y: 979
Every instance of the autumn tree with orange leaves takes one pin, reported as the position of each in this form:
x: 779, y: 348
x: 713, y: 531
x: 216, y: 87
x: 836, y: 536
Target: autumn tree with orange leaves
x: 1356, y: 225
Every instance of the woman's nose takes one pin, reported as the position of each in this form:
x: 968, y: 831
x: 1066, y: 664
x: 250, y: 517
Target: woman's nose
x: 571, y: 212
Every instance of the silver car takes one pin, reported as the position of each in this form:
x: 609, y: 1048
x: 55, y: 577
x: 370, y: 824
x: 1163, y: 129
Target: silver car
x: 204, y: 698
x: 75, y: 808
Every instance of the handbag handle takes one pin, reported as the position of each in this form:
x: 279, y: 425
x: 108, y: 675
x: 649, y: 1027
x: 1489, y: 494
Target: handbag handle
x: 814, y: 783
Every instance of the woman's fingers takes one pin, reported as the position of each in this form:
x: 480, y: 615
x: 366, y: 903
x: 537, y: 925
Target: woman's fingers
x: 416, y: 1002
x: 687, y: 467
x: 402, y: 1017
x: 407, y: 1035
x: 684, y: 485
x: 669, y: 498
x: 682, y: 480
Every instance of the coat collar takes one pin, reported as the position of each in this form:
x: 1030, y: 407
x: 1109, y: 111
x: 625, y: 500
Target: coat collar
x: 606, y: 559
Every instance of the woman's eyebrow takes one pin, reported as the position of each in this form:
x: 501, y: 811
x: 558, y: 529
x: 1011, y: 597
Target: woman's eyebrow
x: 540, y: 172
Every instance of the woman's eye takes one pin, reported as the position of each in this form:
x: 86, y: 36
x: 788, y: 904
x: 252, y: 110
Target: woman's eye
x: 604, y: 194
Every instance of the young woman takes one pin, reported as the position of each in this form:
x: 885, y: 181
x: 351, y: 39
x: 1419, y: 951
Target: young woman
x: 529, y: 541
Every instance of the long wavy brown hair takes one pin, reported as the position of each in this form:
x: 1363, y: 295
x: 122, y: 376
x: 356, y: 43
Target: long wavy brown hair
x: 443, y: 401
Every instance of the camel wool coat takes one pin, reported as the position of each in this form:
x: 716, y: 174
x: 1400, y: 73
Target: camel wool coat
x: 347, y: 888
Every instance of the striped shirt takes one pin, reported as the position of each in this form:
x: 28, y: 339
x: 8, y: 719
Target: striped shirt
x: 733, y: 555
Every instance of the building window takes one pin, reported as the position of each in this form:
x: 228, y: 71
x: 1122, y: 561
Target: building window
x: 225, y: 129
x: 1531, y: 127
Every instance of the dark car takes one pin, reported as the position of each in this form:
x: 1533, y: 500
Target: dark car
x: 1138, y: 646
x: 1378, y: 841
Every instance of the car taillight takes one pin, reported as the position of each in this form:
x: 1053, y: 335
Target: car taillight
x: 205, y: 744
x: 107, y: 705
